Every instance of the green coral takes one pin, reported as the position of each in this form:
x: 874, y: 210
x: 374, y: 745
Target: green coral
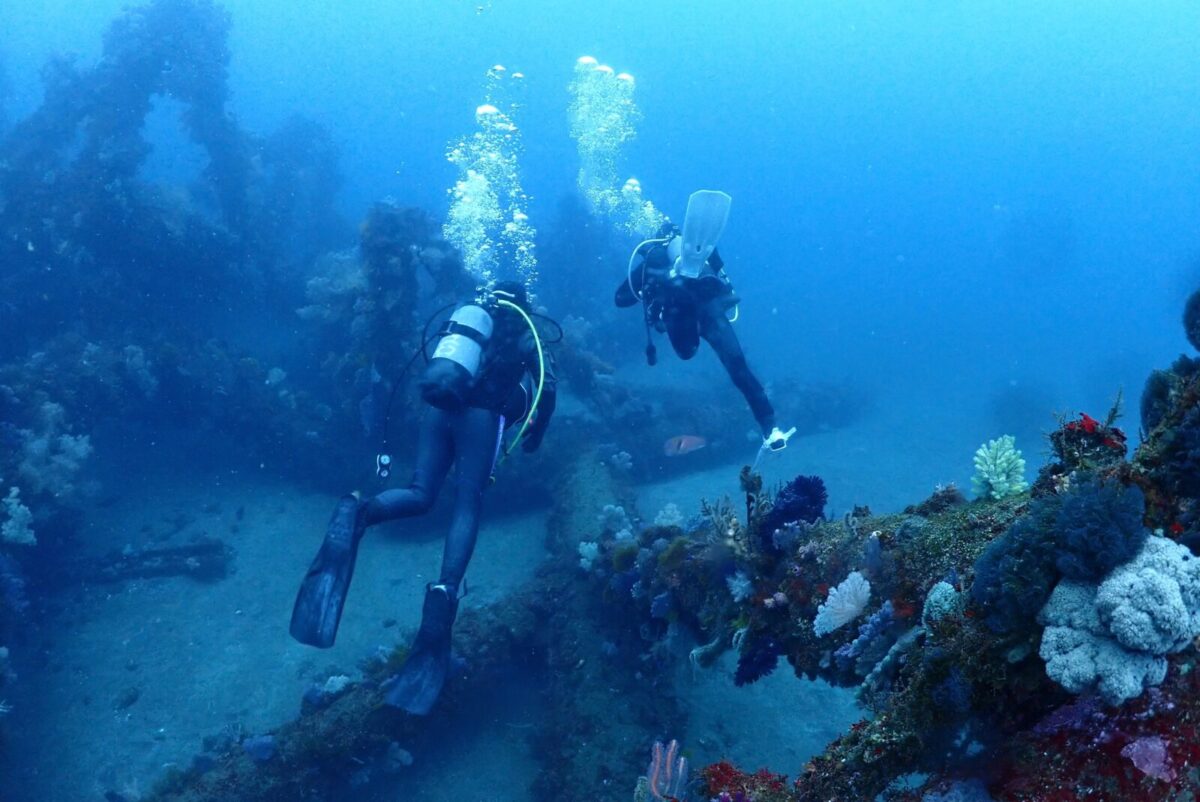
x: 624, y: 556
x: 999, y: 469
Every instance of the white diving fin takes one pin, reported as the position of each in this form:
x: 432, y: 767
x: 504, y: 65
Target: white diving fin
x: 707, y: 213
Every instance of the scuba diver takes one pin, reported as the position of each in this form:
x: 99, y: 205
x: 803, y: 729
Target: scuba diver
x: 488, y: 372
x: 684, y: 291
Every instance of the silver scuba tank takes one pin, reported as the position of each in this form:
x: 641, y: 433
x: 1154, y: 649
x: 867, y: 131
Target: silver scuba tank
x: 456, y: 360
x: 466, y: 333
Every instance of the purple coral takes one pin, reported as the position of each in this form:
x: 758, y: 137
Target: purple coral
x: 875, y: 637
x: 1149, y: 755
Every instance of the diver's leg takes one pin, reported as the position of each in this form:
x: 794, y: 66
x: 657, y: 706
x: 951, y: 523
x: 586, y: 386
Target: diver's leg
x: 475, y: 438
x: 318, y: 608
x: 435, y: 453
x: 719, y: 333
x: 420, y: 681
x: 682, y: 327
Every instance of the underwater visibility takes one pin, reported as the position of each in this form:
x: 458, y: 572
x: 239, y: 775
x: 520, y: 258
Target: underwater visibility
x: 516, y: 401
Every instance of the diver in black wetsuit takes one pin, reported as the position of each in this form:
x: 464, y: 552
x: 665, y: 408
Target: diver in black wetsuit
x: 690, y: 308
x: 484, y: 376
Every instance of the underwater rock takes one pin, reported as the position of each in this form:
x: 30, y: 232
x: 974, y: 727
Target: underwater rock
x: 1156, y: 398
x: 397, y: 758
x: 1191, y: 319
x: 260, y: 748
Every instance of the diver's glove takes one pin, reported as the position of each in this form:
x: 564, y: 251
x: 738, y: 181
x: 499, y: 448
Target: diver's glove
x: 777, y: 440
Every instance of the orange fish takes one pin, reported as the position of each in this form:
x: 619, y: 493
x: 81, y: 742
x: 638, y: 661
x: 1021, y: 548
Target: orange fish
x: 683, y: 444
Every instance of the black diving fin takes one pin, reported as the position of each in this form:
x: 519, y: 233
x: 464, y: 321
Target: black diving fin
x: 417, y: 687
x: 322, y: 594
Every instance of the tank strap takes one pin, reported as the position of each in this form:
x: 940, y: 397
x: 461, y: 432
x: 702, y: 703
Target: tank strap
x: 454, y: 327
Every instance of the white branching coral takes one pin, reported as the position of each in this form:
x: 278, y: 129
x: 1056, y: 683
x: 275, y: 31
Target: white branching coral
x: 999, y: 469
x: 50, y: 458
x: 589, y: 552
x: 740, y: 586
x: 845, y: 603
x: 17, y: 527
x: 669, y: 515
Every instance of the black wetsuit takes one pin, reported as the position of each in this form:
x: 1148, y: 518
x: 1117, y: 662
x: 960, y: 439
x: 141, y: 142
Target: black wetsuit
x: 463, y: 427
x: 469, y: 438
x: 691, y: 308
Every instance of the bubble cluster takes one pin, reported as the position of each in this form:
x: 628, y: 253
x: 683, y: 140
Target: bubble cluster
x: 488, y: 221
x: 603, y: 118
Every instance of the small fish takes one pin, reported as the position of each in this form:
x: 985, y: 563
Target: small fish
x: 683, y: 444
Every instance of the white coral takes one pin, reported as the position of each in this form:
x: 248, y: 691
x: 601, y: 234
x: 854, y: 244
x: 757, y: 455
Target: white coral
x: 669, y: 516
x: 17, y: 528
x: 50, y: 458
x: 1114, y: 636
x: 740, y: 586
x: 589, y: 551
x: 846, y: 602
x: 999, y: 469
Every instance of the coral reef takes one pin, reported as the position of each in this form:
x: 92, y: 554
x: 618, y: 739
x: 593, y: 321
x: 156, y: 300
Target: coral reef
x: 999, y: 469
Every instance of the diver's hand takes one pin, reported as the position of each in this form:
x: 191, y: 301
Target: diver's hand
x: 777, y: 440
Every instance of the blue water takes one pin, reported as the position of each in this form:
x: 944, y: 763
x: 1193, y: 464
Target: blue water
x: 1001, y: 187
x: 976, y: 214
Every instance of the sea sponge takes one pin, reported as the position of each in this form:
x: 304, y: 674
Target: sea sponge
x: 941, y: 601
x: 999, y: 469
x: 1015, y: 574
x: 1079, y: 660
x: 1152, y: 604
x: 1114, y: 636
x: 845, y: 603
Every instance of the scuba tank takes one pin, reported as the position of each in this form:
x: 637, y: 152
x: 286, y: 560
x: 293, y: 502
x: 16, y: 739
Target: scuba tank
x: 456, y: 360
